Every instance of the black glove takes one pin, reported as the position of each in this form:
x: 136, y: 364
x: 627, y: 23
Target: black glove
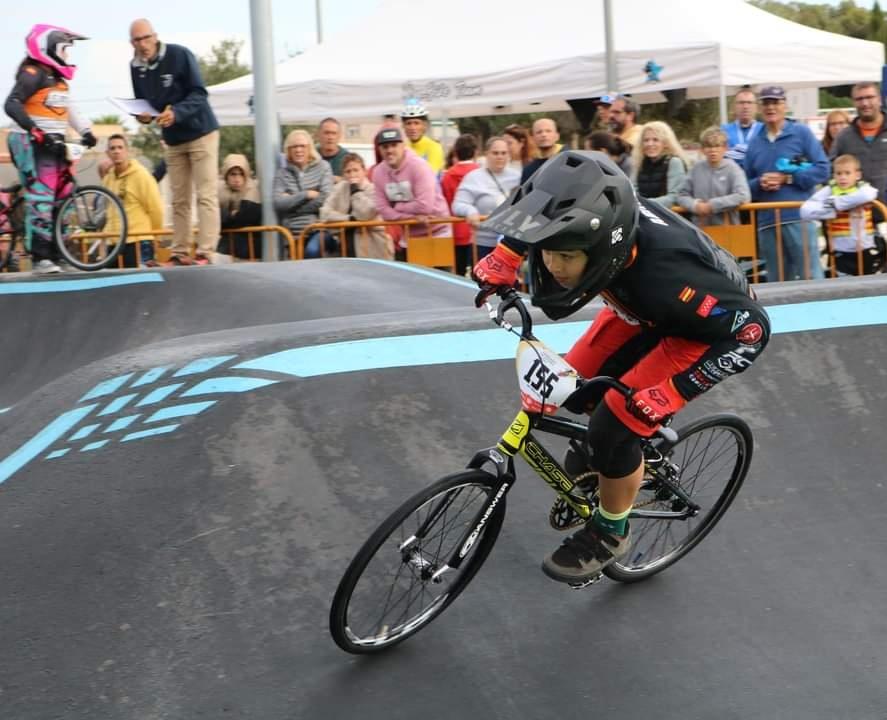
x: 55, y: 145
x: 355, y: 188
x: 88, y: 139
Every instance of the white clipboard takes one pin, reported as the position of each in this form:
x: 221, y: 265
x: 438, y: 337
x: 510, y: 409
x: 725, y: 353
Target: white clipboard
x: 135, y: 106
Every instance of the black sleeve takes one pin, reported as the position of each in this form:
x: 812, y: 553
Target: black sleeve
x: 250, y: 213
x: 28, y: 81
x: 515, y: 245
x: 195, y: 95
x: 159, y: 171
x: 745, y: 335
x: 700, y: 303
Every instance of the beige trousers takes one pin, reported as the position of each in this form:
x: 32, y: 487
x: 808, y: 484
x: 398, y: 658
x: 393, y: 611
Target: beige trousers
x: 195, y: 163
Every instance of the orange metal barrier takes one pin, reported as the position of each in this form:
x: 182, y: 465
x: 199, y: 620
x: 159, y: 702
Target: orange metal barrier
x: 433, y: 251
x: 161, y: 254
x: 741, y: 240
x: 428, y: 250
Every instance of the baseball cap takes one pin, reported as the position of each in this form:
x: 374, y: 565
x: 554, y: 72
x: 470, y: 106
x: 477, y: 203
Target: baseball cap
x: 606, y: 99
x: 772, y: 92
x: 389, y: 135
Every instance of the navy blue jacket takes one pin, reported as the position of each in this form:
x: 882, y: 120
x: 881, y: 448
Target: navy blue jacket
x: 795, y: 142
x: 173, y: 78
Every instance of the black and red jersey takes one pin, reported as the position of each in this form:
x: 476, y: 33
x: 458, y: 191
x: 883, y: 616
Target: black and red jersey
x: 679, y: 283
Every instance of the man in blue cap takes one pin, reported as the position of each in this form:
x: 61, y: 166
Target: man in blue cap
x: 785, y: 162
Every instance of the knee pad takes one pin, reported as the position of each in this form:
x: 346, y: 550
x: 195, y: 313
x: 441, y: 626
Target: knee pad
x: 614, y: 449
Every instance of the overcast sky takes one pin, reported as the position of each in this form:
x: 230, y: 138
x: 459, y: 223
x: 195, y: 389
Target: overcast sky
x: 102, y: 61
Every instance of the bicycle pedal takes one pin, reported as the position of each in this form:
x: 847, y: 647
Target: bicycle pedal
x: 585, y: 583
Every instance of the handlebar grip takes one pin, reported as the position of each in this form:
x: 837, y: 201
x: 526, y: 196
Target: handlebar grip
x: 512, y: 299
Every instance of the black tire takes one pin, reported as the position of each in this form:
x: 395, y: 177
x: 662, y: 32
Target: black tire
x: 90, y: 209
x: 713, y: 455
x: 386, y: 594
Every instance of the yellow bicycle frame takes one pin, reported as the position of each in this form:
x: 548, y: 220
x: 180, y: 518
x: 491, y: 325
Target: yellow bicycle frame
x: 518, y: 440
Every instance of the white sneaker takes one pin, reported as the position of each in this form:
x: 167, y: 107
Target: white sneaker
x: 46, y: 267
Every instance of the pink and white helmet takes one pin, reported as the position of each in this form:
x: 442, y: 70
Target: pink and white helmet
x: 46, y: 44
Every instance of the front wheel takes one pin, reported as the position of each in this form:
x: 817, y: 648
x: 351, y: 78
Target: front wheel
x: 391, y: 589
x: 708, y: 463
x: 90, y: 227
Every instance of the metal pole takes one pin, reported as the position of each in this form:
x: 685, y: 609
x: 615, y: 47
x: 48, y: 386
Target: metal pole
x: 722, y: 104
x: 722, y: 94
x: 266, y: 127
x: 612, y: 76
x: 319, y: 17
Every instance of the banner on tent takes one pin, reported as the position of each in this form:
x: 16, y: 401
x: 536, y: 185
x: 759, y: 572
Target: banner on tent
x: 440, y: 89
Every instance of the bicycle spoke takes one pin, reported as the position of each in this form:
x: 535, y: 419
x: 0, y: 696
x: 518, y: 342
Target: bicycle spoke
x: 703, y: 463
x: 90, y: 227
x: 395, y: 594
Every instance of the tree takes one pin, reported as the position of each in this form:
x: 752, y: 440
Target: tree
x: 877, y: 28
x: 486, y: 126
x: 221, y: 64
x: 108, y: 120
x: 147, y: 142
x: 847, y: 18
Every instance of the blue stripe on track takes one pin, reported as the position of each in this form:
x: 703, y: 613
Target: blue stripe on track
x: 36, y: 287
x: 42, y: 440
x: 494, y: 344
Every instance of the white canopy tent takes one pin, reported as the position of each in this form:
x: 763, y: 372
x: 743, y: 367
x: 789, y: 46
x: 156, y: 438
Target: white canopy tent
x: 465, y: 57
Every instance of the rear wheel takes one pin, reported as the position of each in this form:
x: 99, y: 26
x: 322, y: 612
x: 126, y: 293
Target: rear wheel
x: 90, y: 227
x: 708, y: 462
x: 389, y: 591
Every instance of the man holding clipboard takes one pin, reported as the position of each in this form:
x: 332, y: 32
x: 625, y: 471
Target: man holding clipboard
x: 167, y: 76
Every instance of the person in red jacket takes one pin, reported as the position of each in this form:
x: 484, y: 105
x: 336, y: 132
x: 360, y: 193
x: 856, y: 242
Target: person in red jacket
x: 463, y: 152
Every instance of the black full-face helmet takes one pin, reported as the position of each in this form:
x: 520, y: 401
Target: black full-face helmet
x: 575, y: 201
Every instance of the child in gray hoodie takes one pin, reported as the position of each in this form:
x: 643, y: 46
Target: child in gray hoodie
x: 713, y: 190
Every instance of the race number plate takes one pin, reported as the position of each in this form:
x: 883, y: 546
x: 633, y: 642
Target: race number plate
x: 546, y: 380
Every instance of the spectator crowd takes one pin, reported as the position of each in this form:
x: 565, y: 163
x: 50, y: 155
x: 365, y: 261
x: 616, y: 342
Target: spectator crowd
x: 762, y: 156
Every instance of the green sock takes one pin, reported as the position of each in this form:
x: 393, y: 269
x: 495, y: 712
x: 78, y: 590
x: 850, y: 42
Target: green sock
x: 613, y: 523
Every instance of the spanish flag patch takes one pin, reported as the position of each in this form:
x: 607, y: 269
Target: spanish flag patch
x: 687, y: 294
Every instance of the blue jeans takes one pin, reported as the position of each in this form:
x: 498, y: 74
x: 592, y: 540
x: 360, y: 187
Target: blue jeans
x: 793, y: 244
x: 312, y: 245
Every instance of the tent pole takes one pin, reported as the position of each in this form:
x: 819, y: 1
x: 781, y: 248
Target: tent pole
x: 612, y: 79
x: 445, y: 119
x: 722, y: 102
x: 267, y: 130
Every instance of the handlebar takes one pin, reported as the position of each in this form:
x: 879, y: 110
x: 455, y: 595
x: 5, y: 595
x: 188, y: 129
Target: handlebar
x: 511, y: 300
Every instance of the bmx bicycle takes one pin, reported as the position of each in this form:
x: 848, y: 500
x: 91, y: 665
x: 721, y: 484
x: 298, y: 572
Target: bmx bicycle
x: 80, y: 221
x: 424, y: 555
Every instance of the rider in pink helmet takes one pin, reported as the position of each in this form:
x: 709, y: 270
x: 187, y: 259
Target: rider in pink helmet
x: 48, y: 44
x: 40, y: 105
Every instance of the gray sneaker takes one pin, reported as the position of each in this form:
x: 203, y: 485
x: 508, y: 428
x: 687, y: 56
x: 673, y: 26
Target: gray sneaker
x: 584, y: 554
x: 46, y: 267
